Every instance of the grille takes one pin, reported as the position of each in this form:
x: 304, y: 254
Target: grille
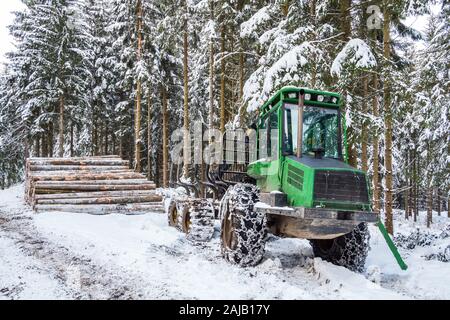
x: 340, y: 186
x: 295, y: 177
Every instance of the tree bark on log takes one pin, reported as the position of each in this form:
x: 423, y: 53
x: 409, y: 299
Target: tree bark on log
x: 78, y: 168
x: 95, y: 194
x: 81, y: 182
x: 94, y: 182
x: 86, y: 177
x: 109, y: 157
x: 102, y: 209
x: 74, y: 173
x: 81, y: 187
x: 71, y: 162
x: 103, y: 200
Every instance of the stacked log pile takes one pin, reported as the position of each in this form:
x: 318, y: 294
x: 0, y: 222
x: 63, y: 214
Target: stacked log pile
x: 95, y: 185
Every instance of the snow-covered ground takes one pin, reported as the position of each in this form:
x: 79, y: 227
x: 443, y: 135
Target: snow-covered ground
x: 80, y: 256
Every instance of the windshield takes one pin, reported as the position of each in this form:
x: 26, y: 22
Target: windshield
x: 320, y: 130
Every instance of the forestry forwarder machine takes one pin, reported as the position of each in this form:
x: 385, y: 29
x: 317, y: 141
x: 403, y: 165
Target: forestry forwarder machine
x: 305, y: 189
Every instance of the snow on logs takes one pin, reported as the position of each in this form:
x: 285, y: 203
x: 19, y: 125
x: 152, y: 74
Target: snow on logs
x: 96, y: 185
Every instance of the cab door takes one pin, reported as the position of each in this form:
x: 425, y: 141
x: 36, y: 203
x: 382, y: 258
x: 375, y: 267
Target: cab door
x: 266, y: 168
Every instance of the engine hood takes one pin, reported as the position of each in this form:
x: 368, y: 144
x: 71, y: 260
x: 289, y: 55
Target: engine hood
x: 324, y: 163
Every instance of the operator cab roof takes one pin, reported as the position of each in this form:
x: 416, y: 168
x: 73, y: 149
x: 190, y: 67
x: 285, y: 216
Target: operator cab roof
x: 312, y: 97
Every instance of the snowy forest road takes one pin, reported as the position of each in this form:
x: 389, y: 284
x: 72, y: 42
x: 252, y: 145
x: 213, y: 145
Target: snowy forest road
x: 57, y: 255
x: 34, y: 268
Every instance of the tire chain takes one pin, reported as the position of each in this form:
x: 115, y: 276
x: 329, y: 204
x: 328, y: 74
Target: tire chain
x: 355, y: 247
x: 249, y: 225
x: 201, y: 212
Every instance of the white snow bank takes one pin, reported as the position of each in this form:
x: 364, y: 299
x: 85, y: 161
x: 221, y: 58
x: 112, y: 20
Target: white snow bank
x: 350, y: 285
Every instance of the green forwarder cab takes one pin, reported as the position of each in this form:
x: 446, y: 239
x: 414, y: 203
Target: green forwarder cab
x: 307, y: 188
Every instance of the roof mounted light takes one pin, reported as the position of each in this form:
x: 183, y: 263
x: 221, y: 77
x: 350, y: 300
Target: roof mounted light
x: 320, y: 98
x: 307, y: 96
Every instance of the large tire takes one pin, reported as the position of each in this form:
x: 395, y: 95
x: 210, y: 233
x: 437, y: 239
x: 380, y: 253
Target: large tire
x: 198, y: 220
x: 175, y: 213
x: 349, y: 250
x: 244, y: 231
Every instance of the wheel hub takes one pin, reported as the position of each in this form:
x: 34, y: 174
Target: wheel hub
x: 228, y: 234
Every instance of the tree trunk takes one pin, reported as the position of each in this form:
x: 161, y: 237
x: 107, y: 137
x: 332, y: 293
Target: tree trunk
x: 345, y: 20
x: 448, y: 207
x: 241, y: 74
x: 407, y: 200
x: 364, y: 127
x: 211, y: 75
x: 411, y: 190
x: 186, y: 138
x: 95, y: 136
x: 71, y: 140
x: 137, y: 116
x: 312, y: 14
x: 37, y: 146
x: 50, y: 139
x: 375, y: 177
x: 61, y: 126
x: 438, y: 196
x: 165, y: 150
x: 105, y: 150
x: 44, y: 142
x: 222, y: 80
x: 387, y: 120
x: 149, y: 137
x: 430, y: 207
x: 121, y: 143
x: 416, y: 186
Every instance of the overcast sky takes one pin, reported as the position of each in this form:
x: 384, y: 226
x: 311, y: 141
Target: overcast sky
x: 6, y: 18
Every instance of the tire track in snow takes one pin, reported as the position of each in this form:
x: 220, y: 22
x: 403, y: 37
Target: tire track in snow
x: 78, y: 276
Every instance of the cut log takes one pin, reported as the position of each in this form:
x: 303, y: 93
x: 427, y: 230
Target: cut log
x: 104, y: 200
x: 82, y: 187
x: 95, y: 194
x: 86, y: 162
x: 87, y: 176
x: 73, y: 168
x: 44, y: 184
x: 99, y: 185
x: 78, y: 158
x: 75, y: 172
x: 101, y: 209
